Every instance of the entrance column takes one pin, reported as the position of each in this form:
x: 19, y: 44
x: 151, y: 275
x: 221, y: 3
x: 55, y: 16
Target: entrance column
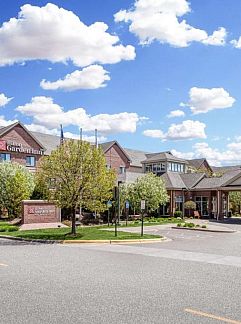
x: 228, y: 204
x: 220, y: 205
x: 171, y: 203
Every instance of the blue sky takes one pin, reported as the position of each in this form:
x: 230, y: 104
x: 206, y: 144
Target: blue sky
x: 157, y: 60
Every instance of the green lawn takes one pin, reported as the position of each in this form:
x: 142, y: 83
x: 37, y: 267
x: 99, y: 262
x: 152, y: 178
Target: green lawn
x: 83, y: 233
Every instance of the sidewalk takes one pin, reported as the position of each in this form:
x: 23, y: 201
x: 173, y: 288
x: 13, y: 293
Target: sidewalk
x: 26, y: 227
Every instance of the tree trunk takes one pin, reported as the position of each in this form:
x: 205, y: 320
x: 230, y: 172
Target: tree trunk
x: 73, y: 231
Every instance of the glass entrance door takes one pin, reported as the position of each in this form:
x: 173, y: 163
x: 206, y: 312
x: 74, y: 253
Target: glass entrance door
x: 202, y: 205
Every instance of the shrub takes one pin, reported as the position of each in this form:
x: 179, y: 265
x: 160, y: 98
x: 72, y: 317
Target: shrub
x: 204, y: 226
x: 179, y: 225
x: 191, y: 225
x: 3, y: 229
x: 12, y: 229
x: 190, y: 205
x: 67, y: 223
x: 178, y: 213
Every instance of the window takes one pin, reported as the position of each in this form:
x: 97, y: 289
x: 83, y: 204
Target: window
x: 30, y: 161
x: 122, y: 170
x: 202, y: 205
x: 179, y: 203
x: 148, y: 168
x: 5, y: 157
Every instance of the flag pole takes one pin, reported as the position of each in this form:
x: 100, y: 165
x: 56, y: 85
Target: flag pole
x: 96, y: 138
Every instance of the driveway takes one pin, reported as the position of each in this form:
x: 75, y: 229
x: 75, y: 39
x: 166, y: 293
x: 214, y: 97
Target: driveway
x: 195, y: 278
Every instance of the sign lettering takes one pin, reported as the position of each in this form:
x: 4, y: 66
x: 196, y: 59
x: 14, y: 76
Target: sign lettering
x: 19, y: 148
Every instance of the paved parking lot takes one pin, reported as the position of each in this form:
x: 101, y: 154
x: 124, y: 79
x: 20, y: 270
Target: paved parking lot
x: 195, y: 278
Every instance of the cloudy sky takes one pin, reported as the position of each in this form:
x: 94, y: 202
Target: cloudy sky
x: 153, y: 74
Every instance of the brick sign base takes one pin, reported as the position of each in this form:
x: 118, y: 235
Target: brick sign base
x: 39, y: 211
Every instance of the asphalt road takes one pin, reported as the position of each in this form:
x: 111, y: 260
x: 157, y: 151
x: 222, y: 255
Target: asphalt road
x: 195, y: 278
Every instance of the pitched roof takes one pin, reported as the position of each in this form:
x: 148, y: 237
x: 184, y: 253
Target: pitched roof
x: 50, y: 142
x: 217, y: 182
x: 225, y: 169
x: 107, y: 145
x: 162, y: 156
x: 136, y: 156
x: 191, y: 179
x: 196, y: 163
x: 173, y: 180
x: 6, y: 129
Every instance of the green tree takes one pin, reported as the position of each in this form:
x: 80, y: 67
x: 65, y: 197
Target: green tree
x: 150, y: 188
x: 76, y: 175
x: 16, y: 184
x: 235, y: 201
x: 101, y: 184
x: 190, y: 205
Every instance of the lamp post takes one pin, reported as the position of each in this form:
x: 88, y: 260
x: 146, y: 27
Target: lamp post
x: 143, y: 206
x: 183, y: 201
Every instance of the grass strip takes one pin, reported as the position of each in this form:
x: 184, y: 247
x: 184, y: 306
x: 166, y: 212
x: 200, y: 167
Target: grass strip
x: 88, y: 233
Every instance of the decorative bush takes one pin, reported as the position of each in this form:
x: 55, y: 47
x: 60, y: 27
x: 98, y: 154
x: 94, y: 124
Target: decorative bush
x: 12, y: 229
x: 191, y: 225
x: 178, y: 213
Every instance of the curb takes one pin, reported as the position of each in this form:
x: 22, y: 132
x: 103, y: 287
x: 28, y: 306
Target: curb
x: 157, y: 240
x: 161, y: 239
x: 204, y: 230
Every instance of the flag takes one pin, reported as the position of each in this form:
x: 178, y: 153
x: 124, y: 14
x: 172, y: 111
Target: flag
x: 61, y: 135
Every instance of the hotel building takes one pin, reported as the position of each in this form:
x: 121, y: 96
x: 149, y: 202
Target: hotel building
x: 184, y: 179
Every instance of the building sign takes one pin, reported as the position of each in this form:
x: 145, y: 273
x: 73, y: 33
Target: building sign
x: 143, y: 204
x: 41, y: 210
x: 18, y: 148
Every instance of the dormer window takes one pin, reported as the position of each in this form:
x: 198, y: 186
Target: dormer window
x: 175, y: 167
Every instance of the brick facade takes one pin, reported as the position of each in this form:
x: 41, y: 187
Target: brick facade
x: 39, y: 211
x: 17, y: 139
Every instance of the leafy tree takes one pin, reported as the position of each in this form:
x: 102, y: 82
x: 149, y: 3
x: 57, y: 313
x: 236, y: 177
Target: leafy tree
x: 190, y: 205
x: 16, y: 184
x: 101, y: 184
x: 150, y: 188
x: 75, y: 174
x: 124, y: 192
x: 235, y: 201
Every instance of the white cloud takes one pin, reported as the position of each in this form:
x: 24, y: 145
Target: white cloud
x: 188, y: 129
x: 4, y: 100
x: 85, y: 137
x: 91, y: 77
x: 154, y: 133
x: 161, y: 20
x: 236, y: 43
x: 58, y: 35
x: 203, y: 100
x: 230, y: 155
x: 4, y: 122
x: 183, y: 155
x: 176, y: 113
x: 218, y: 38
x: 46, y: 113
x: 56, y: 132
